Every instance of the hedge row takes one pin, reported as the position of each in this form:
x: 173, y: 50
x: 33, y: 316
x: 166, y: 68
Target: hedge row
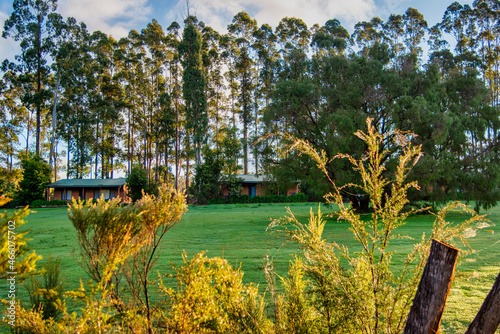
x: 41, y: 202
x: 297, y: 198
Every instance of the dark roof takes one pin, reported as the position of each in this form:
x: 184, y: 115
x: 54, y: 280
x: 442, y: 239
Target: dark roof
x: 87, y: 183
x: 251, y: 178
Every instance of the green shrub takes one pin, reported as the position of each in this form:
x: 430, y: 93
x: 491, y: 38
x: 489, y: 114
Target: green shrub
x: 218, y: 200
x: 331, y: 289
x: 36, y: 175
x: 244, y: 199
x: 211, y: 298
x: 57, y: 202
x: 137, y: 182
x: 41, y: 202
x: 45, y: 291
x: 206, y: 182
x: 17, y: 256
x: 38, y: 203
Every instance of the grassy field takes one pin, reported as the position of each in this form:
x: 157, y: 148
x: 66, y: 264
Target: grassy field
x: 238, y: 233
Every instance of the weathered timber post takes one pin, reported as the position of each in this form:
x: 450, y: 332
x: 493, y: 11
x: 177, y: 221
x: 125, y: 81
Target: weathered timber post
x: 488, y: 317
x: 430, y: 299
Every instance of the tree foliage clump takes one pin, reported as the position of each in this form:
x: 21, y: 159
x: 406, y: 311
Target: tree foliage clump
x: 206, y: 185
x: 36, y: 175
x: 138, y: 184
x: 449, y: 110
x: 9, y: 181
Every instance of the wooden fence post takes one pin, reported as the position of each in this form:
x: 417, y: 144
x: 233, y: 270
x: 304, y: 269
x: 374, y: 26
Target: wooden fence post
x: 430, y: 299
x: 488, y: 317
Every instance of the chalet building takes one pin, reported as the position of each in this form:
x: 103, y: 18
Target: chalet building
x: 253, y: 185
x: 68, y: 189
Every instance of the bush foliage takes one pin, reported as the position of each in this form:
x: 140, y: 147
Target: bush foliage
x: 15, y: 254
x: 331, y: 289
x: 36, y: 175
x: 41, y: 202
x: 242, y: 199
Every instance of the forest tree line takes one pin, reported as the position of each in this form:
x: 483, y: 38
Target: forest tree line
x: 165, y: 98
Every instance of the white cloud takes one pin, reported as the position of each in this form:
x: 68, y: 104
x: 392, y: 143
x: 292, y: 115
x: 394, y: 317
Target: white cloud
x: 115, y: 17
x: 8, y: 47
x: 218, y: 14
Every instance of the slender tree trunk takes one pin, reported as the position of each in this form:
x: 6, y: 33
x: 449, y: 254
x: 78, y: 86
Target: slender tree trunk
x: 433, y: 289
x: 53, y: 134
x: 28, y: 134
x: 177, y: 134
x: 256, y: 153
x: 245, y: 147
x: 67, y: 160
x: 157, y: 160
x: 166, y: 175
x: 177, y: 144
x: 129, y: 158
x: 55, y: 162
x: 38, y: 83
x: 188, y: 148
x: 96, y: 149
x: 217, y: 118
x: 132, y: 149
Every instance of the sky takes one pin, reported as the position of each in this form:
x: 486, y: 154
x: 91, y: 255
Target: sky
x: 118, y: 17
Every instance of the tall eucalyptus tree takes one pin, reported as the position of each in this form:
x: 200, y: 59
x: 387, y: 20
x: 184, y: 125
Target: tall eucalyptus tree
x: 242, y: 29
x: 194, y: 90
x: 175, y: 91
x: 32, y: 24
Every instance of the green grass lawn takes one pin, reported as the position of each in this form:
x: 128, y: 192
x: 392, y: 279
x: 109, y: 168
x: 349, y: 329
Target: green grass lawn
x: 238, y: 233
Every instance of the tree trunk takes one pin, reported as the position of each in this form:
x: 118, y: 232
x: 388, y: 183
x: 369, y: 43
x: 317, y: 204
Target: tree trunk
x: 38, y: 84
x: 68, y: 160
x: 255, y: 150
x: 360, y: 204
x: 53, y: 133
x: 177, y: 160
x: 488, y: 317
x: 96, y: 175
x: 433, y: 289
x: 245, y: 147
x: 129, y: 156
x: 188, y: 148
x: 28, y: 128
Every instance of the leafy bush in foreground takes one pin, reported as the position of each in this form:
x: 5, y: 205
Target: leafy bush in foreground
x: 340, y: 291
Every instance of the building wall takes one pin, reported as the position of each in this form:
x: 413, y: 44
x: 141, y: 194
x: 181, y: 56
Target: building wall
x: 88, y: 193
x: 259, y: 190
x: 58, y: 194
x: 293, y: 190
